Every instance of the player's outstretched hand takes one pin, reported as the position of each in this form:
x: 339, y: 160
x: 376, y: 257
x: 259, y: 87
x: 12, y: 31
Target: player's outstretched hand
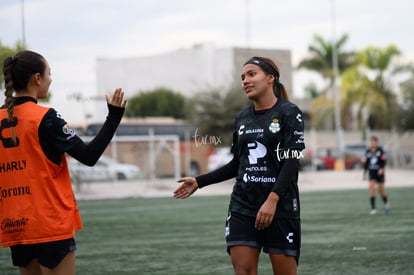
x: 117, y: 98
x: 187, y: 188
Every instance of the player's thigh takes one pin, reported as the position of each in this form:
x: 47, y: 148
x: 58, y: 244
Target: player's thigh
x: 381, y: 188
x: 245, y: 259
x: 66, y: 267
x: 372, y: 184
x: 283, y: 264
x: 33, y: 268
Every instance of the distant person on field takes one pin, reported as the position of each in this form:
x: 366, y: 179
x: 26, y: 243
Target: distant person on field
x: 38, y: 211
x: 375, y: 160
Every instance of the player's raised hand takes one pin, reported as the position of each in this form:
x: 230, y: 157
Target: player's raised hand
x: 117, y: 98
x: 187, y: 188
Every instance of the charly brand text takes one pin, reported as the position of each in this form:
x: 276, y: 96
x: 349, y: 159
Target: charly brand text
x: 206, y: 139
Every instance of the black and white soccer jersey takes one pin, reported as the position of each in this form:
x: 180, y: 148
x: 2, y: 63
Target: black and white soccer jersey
x: 262, y: 141
x: 375, y: 160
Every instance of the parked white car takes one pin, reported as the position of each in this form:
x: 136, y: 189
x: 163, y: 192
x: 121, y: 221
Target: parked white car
x: 106, y: 169
x: 218, y: 158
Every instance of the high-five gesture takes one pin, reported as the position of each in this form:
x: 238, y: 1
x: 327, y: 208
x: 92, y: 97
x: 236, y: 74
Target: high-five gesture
x: 117, y: 98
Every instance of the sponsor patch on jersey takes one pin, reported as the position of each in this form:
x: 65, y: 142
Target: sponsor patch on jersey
x: 254, y: 131
x: 274, y: 126
x: 68, y: 131
x: 259, y: 179
x: 256, y: 151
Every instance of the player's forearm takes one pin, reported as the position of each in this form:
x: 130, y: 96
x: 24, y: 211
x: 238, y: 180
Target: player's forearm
x: 226, y: 172
x: 288, y: 172
x: 90, y: 153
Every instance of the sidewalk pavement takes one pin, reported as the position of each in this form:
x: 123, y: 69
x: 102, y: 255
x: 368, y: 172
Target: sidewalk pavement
x: 308, y: 181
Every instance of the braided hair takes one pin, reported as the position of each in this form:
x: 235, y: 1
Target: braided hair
x: 17, y: 71
x: 8, y: 80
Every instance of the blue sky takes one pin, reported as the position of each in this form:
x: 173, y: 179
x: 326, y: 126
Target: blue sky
x: 71, y: 34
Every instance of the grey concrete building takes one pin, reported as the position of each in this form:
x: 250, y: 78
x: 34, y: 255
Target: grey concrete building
x: 187, y: 71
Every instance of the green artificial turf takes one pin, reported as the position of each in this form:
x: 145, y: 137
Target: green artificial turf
x: 168, y: 236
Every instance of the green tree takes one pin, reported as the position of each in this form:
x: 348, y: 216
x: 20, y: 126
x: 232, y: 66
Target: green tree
x: 311, y: 90
x: 320, y: 58
x: 320, y: 61
x: 377, y: 70
x: 215, y: 110
x: 358, y: 95
x: 406, y: 121
x: 158, y: 102
x: 5, y: 52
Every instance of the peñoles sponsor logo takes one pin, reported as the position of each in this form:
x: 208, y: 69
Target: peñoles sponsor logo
x: 13, y: 225
x: 256, y: 168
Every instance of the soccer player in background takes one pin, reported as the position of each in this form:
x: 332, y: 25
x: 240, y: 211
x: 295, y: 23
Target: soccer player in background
x: 375, y: 160
x: 264, y: 210
x: 38, y: 210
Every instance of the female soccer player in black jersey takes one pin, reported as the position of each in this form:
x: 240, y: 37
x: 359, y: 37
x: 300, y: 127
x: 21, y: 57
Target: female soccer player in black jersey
x: 264, y: 210
x: 375, y: 160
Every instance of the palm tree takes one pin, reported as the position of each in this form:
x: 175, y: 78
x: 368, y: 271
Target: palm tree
x: 320, y: 58
x: 320, y: 61
x: 377, y: 63
x: 358, y: 95
x: 406, y: 119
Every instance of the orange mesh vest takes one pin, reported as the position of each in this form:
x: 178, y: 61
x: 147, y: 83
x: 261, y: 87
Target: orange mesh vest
x: 37, y: 203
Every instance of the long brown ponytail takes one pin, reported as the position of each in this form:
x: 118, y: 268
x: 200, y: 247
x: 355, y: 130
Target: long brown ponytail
x: 9, y: 100
x: 8, y: 83
x: 17, y: 71
x: 278, y: 88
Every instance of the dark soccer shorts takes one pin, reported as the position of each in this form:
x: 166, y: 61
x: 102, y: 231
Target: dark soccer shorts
x: 48, y: 254
x: 281, y: 237
x: 373, y: 175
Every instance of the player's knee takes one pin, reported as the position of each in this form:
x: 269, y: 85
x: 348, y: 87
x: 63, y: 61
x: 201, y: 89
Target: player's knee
x: 243, y: 269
